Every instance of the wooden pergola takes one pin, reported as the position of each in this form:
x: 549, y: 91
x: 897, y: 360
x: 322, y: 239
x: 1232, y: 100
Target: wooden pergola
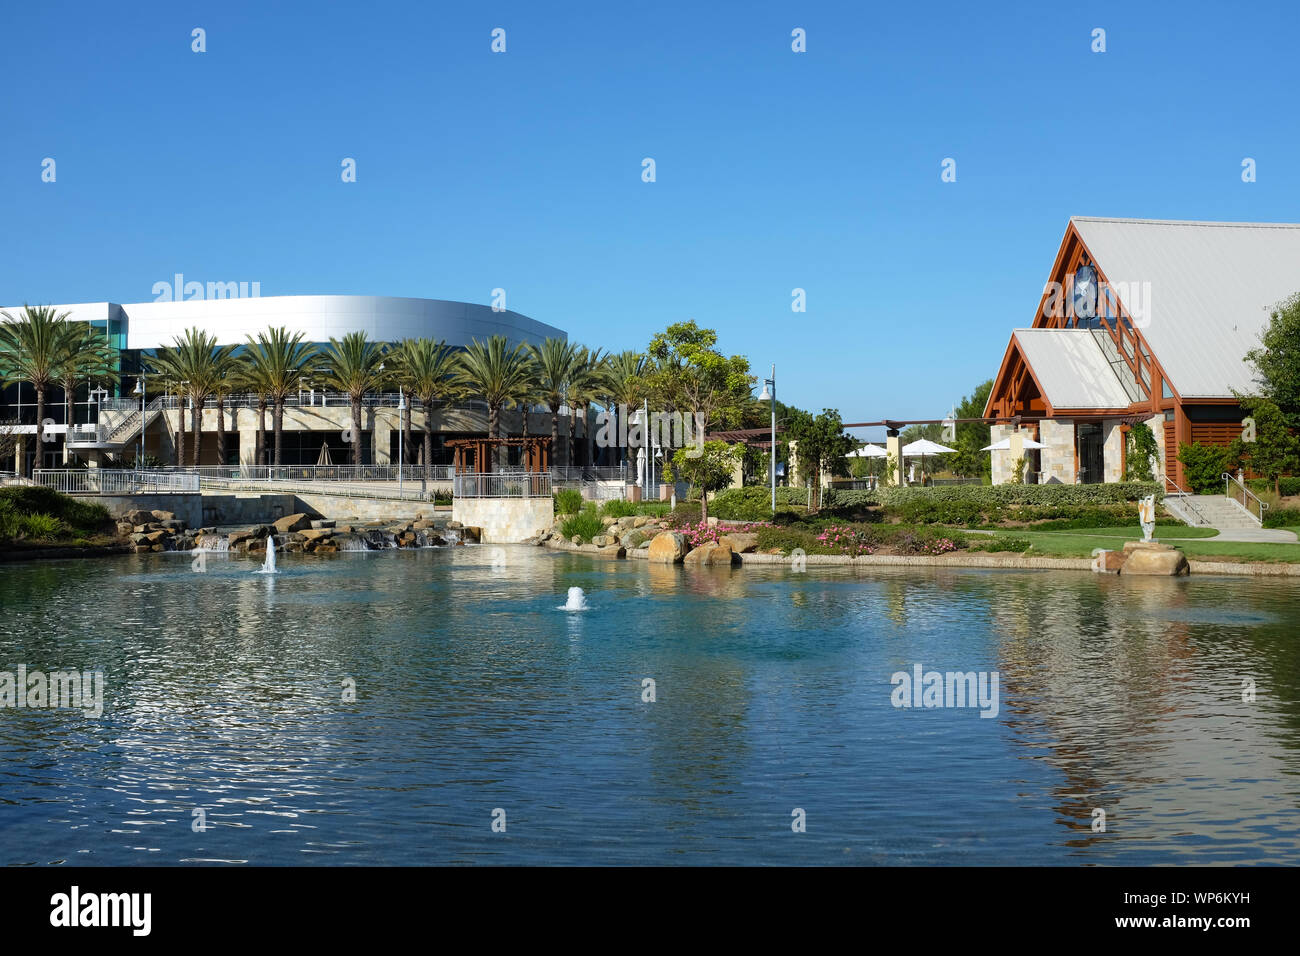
x: 479, y: 451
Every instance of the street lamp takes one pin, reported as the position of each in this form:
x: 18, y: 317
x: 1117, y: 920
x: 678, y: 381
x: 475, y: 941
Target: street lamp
x: 139, y: 390
x: 769, y: 395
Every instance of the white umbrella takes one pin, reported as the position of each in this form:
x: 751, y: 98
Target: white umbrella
x: 1005, y: 445
x: 868, y: 451
x: 922, y: 447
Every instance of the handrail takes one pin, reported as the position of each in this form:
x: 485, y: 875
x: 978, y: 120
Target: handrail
x: 1186, y: 501
x: 1229, y: 481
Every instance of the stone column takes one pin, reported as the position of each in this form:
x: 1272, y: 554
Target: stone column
x: 1058, y: 456
x: 894, y: 445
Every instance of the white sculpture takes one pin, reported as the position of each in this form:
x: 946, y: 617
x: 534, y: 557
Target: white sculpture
x: 1147, y: 515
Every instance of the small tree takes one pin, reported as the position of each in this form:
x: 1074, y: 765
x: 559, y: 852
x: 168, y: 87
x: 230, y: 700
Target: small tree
x: 1204, y: 465
x: 711, y: 470
x: 1275, y: 451
x: 822, y: 445
x: 1141, y: 452
x: 1277, y: 360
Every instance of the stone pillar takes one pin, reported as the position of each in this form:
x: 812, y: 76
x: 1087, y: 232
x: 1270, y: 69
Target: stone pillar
x: 1058, y: 457
x: 1112, y: 452
x: 245, y: 425
x: 380, y: 433
x: 1017, y: 452
x: 1000, y: 470
x: 894, y: 445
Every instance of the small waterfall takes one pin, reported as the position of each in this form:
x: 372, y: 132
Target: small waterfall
x: 451, y: 537
x: 577, y: 600
x: 268, y: 566
x: 351, y: 542
x: 212, y: 542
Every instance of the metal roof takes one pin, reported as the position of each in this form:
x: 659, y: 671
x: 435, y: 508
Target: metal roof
x: 1071, y: 368
x: 1205, y: 288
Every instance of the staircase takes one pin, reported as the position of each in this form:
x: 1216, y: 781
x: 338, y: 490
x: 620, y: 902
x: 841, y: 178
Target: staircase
x: 1212, y: 511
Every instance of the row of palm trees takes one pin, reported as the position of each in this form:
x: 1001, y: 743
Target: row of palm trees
x: 45, y: 348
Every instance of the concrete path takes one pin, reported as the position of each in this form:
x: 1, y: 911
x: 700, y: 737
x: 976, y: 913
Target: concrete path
x: 1270, y: 535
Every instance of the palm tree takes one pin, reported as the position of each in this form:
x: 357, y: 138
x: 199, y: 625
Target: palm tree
x: 500, y: 374
x: 86, y: 355
x: 167, y: 367
x: 279, y: 359
x: 195, y: 363
x: 31, y: 348
x: 623, y: 384
x: 352, y: 366
x: 249, y: 378
x: 555, y: 364
x: 429, y: 371
x: 586, y: 388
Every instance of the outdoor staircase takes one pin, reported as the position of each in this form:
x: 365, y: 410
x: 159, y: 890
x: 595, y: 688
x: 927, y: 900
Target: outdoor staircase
x: 1211, y: 511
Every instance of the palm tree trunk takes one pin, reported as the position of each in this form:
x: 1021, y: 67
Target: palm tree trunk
x: 356, y: 430
x: 494, y: 431
x: 586, y: 436
x: 277, y: 423
x: 406, y: 433
x: 40, y: 425
x: 428, y: 437
x: 261, y: 430
x: 555, y: 434
x: 197, y: 415
x: 221, y: 429
x: 573, y: 424
x: 180, y: 431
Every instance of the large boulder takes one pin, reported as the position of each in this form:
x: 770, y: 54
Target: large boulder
x: 138, y: 517
x: 259, y: 533
x: 633, y: 539
x: 668, y: 547
x: 742, y: 542
x: 1152, y: 558
x: 315, y: 534
x: 640, y: 521
x: 298, y: 522
x: 712, y: 555
x: 163, y: 515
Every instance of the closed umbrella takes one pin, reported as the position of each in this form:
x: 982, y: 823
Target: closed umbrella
x: 324, y: 457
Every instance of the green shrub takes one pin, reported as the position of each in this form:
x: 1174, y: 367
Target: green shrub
x: 1282, y: 518
x: 743, y: 504
x: 990, y: 496
x: 586, y: 524
x: 568, y: 501
x: 1288, y: 486
x: 1204, y: 466
x: 84, y: 516
x: 39, y: 527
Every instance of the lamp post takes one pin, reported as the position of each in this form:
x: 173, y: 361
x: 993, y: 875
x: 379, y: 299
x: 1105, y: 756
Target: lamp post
x: 769, y: 395
x: 139, y: 390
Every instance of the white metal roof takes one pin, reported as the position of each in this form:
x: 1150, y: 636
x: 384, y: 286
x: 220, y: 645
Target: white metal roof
x: 1207, y: 288
x: 1071, y: 368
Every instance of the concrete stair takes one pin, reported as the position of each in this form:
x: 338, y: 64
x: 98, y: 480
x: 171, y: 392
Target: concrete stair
x: 1213, y: 511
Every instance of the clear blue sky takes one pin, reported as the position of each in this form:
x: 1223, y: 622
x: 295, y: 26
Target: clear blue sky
x: 522, y: 170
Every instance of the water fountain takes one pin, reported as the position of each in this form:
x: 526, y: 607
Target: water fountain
x: 577, y: 600
x: 268, y: 566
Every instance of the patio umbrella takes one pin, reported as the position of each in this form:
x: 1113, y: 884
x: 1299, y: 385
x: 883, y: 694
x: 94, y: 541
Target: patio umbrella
x: 324, y: 457
x: 868, y: 451
x: 922, y: 447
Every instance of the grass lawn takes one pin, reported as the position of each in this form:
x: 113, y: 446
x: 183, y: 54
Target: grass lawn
x: 1193, y: 542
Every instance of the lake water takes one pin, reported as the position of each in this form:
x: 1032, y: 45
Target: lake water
x: 474, y: 693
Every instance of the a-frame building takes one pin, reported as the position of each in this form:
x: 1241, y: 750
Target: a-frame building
x: 1140, y: 321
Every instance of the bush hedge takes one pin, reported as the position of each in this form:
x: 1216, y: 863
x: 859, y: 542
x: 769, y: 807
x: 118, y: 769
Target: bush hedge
x: 987, y: 496
x: 568, y: 501
x: 1288, y: 486
x: 1282, y: 518
x: 586, y: 524
x: 84, y: 517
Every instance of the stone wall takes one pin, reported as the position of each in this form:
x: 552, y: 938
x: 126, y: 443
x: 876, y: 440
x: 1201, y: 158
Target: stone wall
x: 1058, y: 457
x: 1112, y: 452
x: 505, y: 520
x: 186, y: 507
x: 1003, y: 465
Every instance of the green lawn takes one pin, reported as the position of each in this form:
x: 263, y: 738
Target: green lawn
x: 1193, y: 541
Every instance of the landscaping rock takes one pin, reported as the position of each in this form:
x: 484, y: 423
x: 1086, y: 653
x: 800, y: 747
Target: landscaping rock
x: 298, y: 522
x: 742, y: 542
x: 171, y: 524
x: 634, y: 539
x: 1108, y: 562
x: 315, y: 534
x: 320, y: 523
x: 668, y: 547
x: 1153, y: 559
x: 712, y: 555
x: 640, y: 521
x: 576, y: 539
x: 163, y: 515
x: 138, y: 517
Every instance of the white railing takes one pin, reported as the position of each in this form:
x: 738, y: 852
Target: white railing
x: 411, y: 490
x: 588, y: 472
x: 502, y: 486
x: 115, y: 481
x: 301, y: 473
x: 1236, y: 489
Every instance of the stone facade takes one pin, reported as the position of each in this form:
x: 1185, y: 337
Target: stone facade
x: 1058, y: 456
x: 505, y: 520
x: 1112, y: 451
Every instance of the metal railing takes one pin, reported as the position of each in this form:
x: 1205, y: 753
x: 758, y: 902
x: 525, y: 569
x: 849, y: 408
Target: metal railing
x: 411, y: 490
x: 1244, y: 497
x: 300, y: 473
x: 589, y: 472
x: 1184, y: 499
x: 114, y: 481
x: 502, y: 486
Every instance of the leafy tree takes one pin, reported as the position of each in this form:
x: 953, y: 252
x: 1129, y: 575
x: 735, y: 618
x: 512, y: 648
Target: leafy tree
x: 691, y: 375
x: 969, y: 460
x: 711, y: 470
x: 1142, y: 450
x: 1204, y: 466
x: 1277, y: 360
x: 822, y: 446
x: 1275, y: 451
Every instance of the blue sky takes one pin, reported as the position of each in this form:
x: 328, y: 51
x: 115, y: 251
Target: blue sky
x: 522, y: 170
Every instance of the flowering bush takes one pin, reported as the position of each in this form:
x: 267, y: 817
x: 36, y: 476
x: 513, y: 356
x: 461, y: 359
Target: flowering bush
x: 850, y: 541
x: 701, y: 532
